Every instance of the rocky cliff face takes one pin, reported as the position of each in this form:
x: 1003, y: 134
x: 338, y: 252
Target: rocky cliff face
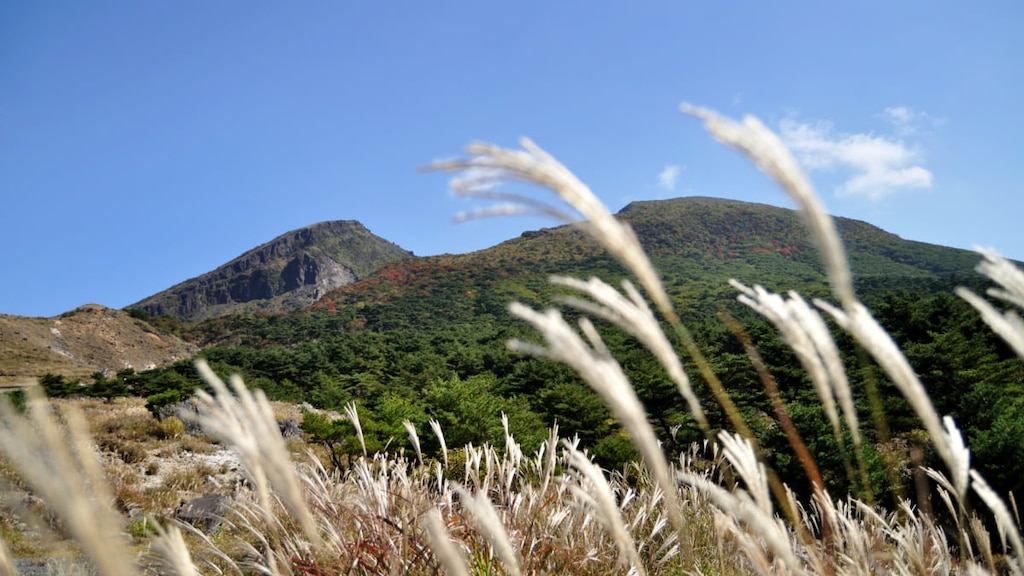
x: 289, y: 272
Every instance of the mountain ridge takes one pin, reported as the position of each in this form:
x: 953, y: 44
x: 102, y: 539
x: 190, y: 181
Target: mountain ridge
x: 696, y: 244
x: 290, y: 271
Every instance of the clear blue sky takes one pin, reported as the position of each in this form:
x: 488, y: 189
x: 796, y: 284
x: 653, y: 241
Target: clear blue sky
x: 145, y: 143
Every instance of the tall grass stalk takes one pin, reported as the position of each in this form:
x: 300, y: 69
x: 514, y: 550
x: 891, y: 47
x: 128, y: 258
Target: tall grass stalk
x: 170, y: 546
x: 592, y: 489
x: 243, y: 419
x: 60, y: 463
x: 766, y: 150
x: 768, y: 153
x: 602, y: 372
x: 446, y: 551
x: 631, y: 313
x: 1007, y: 324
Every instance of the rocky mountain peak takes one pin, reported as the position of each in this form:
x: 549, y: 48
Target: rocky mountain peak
x: 289, y: 272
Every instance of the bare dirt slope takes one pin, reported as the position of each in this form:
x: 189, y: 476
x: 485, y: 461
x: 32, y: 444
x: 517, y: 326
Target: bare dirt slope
x: 85, y: 340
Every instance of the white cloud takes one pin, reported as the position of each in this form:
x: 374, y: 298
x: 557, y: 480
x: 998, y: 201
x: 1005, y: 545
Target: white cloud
x: 900, y: 114
x: 669, y: 177
x: 877, y: 165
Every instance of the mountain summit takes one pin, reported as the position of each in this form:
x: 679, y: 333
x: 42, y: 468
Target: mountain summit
x: 289, y: 272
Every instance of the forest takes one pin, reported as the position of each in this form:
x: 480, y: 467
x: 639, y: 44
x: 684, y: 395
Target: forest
x: 408, y: 359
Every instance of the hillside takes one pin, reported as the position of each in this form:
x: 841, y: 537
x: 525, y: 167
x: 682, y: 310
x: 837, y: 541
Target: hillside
x: 78, y: 343
x: 696, y: 243
x: 714, y: 228
x: 289, y: 272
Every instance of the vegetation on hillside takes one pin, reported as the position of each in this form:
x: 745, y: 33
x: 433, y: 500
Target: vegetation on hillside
x: 429, y: 330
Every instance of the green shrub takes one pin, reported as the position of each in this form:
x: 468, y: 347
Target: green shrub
x: 163, y: 399
x: 56, y: 386
x: 17, y: 399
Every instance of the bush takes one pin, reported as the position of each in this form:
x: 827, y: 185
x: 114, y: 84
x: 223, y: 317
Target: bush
x: 129, y: 452
x: 56, y: 386
x: 170, y: 427
x: 17, y: 399
x: 188, y: 479
x: 163, y: 399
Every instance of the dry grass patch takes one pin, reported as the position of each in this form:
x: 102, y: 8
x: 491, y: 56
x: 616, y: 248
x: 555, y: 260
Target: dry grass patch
x: 198, y: 444
x: 191, y: 479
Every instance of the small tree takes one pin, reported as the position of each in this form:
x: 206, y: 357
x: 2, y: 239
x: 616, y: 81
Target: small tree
x: 107, y: 388
x: 56, y: 386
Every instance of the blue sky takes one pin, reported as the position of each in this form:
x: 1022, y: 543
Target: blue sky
x: 145, y: 143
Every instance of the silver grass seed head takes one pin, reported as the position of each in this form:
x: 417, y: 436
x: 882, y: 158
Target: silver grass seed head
x: 741, y: 455
x: 436, y: 427
x: 440, y: 543
x: 488, y: 165
x: 170, y: 546
x: 244, y: 420
x: 1004, y: 520
x: 1007, y: 325
x: 631, y: 313
x: 58, y: 461
x: 762, y: 147
x: 1002, y: 272
x: 487, y: 521
x: 591, y: 487
x: 413, y: 438
x: 961, y: 456
x: 353, y: 416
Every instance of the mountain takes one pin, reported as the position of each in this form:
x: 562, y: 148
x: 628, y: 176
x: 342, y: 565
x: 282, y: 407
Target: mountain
x: 775, y: 240
x: 83, y: 341
x: 696, y: 244
x: 289, y: 272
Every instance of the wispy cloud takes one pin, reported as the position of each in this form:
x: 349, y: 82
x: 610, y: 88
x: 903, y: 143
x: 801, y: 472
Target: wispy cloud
x: 877, y: 166
x: 669, y: 177
x: 900, y: 115
x: 906, y: 120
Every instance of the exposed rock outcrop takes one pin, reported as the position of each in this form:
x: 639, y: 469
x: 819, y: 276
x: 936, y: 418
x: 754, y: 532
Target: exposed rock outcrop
x: 289, y: 272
